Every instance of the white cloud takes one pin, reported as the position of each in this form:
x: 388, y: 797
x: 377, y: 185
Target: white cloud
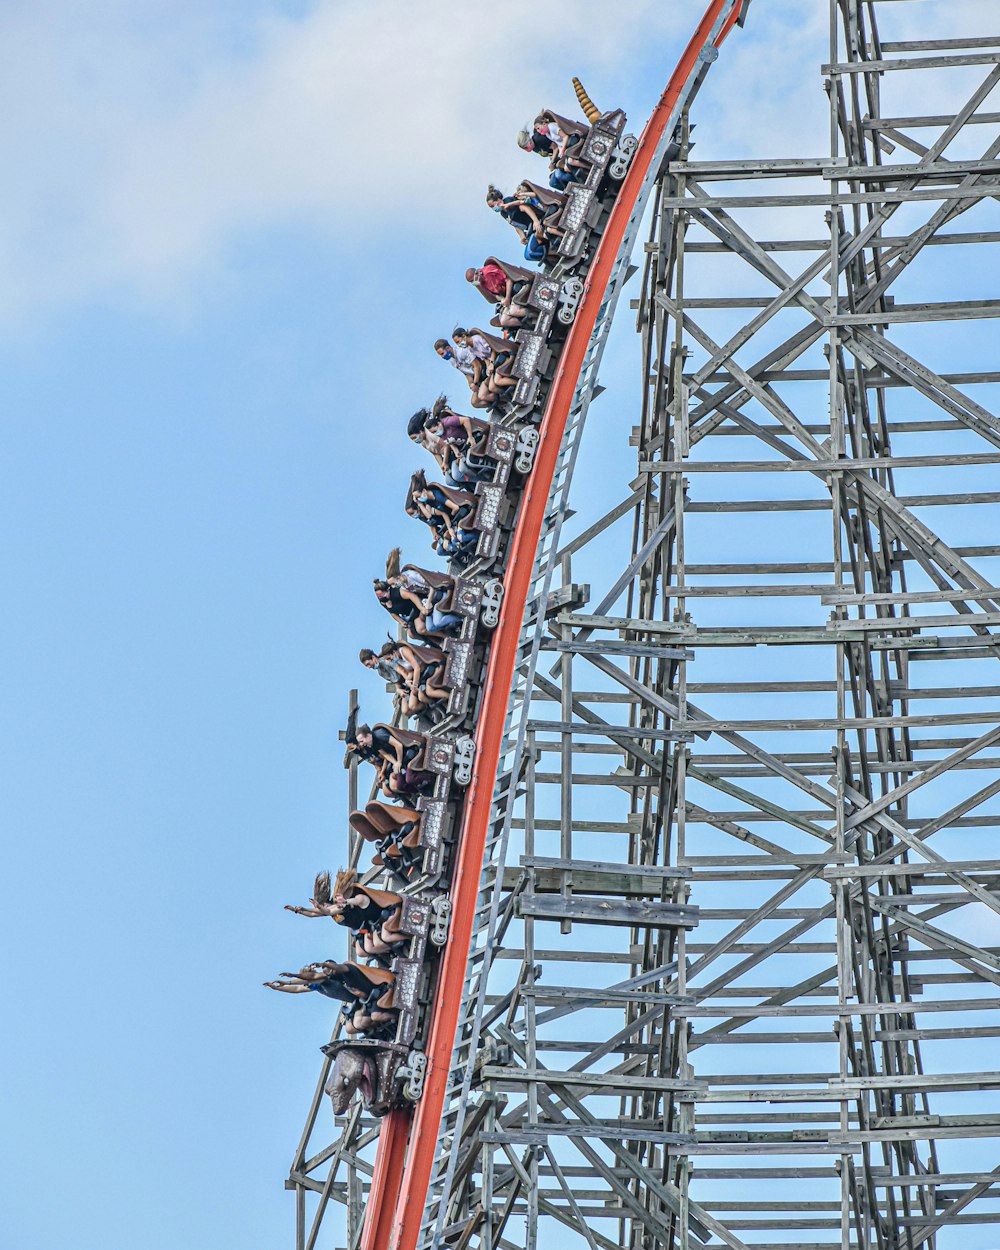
x: 143, y: 145
x: 142, y: 141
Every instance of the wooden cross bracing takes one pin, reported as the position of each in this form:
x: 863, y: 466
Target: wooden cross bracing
x: 737, y: 974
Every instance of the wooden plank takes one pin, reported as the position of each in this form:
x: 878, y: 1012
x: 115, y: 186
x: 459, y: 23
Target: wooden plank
x: 619, y: 732
x: 888, y: 65
x: 824, y: 505
x: 608, y: 911
x: 628, y: 883
x: 668, y: 872
x: 605, y: 1081
x: 860, y: 464
x: 831, y: 200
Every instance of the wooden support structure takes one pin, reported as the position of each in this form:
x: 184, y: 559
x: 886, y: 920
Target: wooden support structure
x: 735, y: 973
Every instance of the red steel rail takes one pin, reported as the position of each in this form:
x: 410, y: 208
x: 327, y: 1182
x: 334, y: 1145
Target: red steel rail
x: 408, y: 1139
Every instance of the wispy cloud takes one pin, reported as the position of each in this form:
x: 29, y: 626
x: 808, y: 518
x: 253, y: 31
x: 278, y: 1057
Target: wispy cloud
x: 142, y: 142
x: 143, y: 145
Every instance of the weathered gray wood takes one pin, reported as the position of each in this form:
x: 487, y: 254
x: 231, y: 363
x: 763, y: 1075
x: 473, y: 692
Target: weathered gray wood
x: 621, y: 731
x: 874, y: 65
x: 825, y: 201
x: 607, y: 911
x: 824, y: 505
x: 938, y: 45
x: 812, y: 466
x: 796, y: 933
x: 573, y: 997
x: 580, y: 647
x: 627, y: 883
x: 917, y: 121
x: 605, y: 1081
x: 657, y: 871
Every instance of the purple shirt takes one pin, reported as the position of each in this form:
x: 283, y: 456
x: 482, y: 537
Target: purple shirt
x: 452, y: 430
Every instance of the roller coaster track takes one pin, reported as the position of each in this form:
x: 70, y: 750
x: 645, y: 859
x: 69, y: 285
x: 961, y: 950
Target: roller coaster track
x: 409, y: 1145
x: 847, y: 960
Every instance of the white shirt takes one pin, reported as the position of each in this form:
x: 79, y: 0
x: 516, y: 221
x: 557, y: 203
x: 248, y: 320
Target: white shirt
x: 463, y: 359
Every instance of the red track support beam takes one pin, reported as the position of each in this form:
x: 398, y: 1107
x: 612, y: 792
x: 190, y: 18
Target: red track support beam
x: 407, y: 1142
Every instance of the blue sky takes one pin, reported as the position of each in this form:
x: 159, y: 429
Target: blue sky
x: 214, y: 322
x: 232, y: 234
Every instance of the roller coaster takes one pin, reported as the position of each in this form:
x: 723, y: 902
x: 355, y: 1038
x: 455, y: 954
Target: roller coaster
x: 584, y: 998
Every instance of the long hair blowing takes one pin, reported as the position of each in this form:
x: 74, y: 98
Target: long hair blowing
x: 344, y: 881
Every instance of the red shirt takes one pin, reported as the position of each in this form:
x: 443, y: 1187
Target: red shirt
x: 494, y: 280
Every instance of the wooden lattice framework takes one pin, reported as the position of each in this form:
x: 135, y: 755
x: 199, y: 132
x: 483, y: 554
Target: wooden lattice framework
x: 735, y: 972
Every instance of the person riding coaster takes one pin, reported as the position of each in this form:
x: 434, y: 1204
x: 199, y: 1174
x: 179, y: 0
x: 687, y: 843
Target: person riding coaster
x: 397, y: 755
x: 371, y: 915
x: 557, y: 139
x: 468, y: 353
x: 456, y: 442
x: 366, y: 992
x: 418, y: 600
x: 532, y: 213
x: 500, y: 284
x: 560, y: 140
x: 395, y: 833
x: 499, y: 375
x: 549, y: 204
x: 381, y: 663
x: 416, y: 672
x: 449, y: 513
